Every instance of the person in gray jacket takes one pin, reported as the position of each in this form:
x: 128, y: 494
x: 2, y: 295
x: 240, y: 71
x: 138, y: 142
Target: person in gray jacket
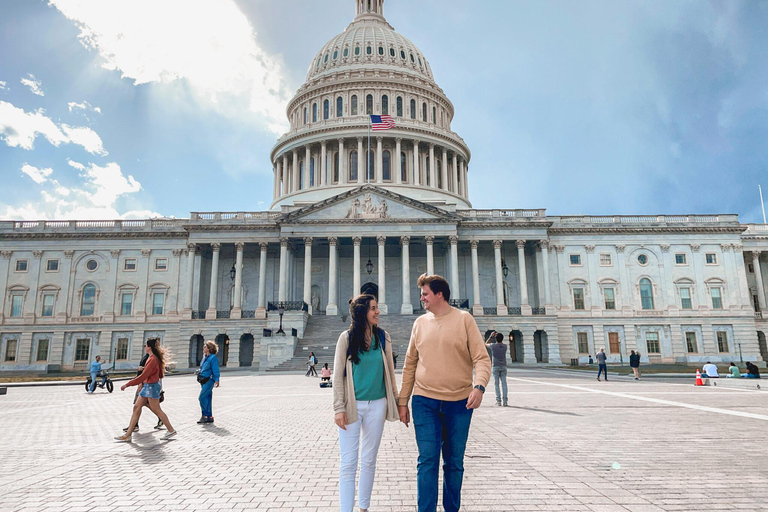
x: 364, y: 396
x: 602, y: 367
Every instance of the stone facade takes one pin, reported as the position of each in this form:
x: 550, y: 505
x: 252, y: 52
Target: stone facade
x: 676, y: 288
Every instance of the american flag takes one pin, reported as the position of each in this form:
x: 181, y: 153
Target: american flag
x: 380, y: 123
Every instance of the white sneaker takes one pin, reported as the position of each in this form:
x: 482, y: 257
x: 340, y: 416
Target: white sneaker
x: 168, y: 435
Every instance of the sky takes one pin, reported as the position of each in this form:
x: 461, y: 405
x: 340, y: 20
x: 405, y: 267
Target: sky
x: 155, y: 108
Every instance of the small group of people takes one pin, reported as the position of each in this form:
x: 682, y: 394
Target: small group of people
x: 602, y: 364
x: 709, y: 370
x: 445, y: 373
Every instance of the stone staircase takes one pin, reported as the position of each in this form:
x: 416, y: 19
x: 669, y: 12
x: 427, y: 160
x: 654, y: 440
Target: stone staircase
x: 322, y: 332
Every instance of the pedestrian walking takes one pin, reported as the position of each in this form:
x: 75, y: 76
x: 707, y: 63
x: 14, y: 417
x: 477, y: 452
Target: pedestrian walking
x: 208, y: 377
x: 140, y: 369
x: 95, y: 371
x: 364, y: 396
x: 311, y: 362
x: 445, y: 348
x: 634, y: 363
x: 151, y: 378
x: 601, y: 366
x: 499, y: 368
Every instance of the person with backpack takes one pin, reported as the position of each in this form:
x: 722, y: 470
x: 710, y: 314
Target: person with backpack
x: 364, y: 397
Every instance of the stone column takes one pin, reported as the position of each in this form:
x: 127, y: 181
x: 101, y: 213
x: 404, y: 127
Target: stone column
x: 432, y: 167
x: 501, y: 308
x: 308, y: 272
x: 406, y: 308
x: 477, y: 306
x: 307, y: 158
x: 464, y: 185
x: 343, y: 178
x: 699, y: 299
x: 526, y: 309
x: 398, y: 161
x: 594, y: 289
x: 295, y: 183
x: 281, y: 297
x: 214, y: 292
x: 276, y: 178
x: 454, y: 242
x: 261, y: 310
x: 444, y: 170
x: 455, y: 174
x: 323, y: 164
x: 237, y: 310
x: 356, y: 263
x: 191, y: 248
x: 416, y: 172
x: 284, y: 176
x: 545, y: 264
x: 529, y: 348
x: 362, y: 159
x: 430, y: 255
x: 332, y: 308
x: 382, y: 240
x: 380, y: 160
x: 759, y: 279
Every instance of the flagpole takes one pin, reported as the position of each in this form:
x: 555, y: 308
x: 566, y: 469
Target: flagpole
x: 762, y: 204
x: 368, y: 153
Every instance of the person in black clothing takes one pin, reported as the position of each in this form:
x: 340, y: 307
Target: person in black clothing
x: 754, y: 373
x: 140, y: 369
x: 634, y: 363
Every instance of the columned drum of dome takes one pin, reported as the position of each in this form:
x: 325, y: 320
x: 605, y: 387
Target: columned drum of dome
x: 370, y: 69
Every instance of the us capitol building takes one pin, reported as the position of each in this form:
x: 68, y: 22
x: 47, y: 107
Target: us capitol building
x: 678, y: 288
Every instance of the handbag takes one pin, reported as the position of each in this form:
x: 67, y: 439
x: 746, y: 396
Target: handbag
x: 202, y: 380
x: 162, y: 396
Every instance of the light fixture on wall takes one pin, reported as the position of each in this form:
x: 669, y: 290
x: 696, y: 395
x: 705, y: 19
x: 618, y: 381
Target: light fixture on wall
x: 369, y: 265
x: 504, y: 267
x: 233, y: 270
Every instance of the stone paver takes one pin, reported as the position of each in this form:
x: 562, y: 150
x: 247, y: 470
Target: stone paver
x: 567, y: 443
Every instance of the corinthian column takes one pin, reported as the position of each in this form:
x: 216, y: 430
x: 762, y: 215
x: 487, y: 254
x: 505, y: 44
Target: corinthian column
x: 281, y: 297
x: 308, y: 272
x: 237, y: 310
x: 323, y: 158
x: 261, y: 310
x: 214, y: 292
x: 416, y: 171
x: 343, y: 178
x: 406, y: 308
x: 455, y: 174
x: 432, y: 167
x: 454, y: 242
x: 430, y: 255
x: 382, y: 240
x: 362, y: 161
x: 333, y: 291
x: 356, y: 262
x: 545, y: 263
x: 398, y: 161
x: 190, y: 280
x: 477, y: 306
x: 380, y: 160
x: 284, y: 175
x: 501, y: 308
x: 444, y: 170
x: 295, y: 183
x: 526, y: 309
x: 759, y: 279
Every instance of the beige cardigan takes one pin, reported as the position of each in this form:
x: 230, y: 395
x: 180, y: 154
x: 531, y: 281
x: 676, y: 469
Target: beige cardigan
x: 344, y: 385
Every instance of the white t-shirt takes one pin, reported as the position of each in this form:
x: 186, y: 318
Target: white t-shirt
x: 711, y: 370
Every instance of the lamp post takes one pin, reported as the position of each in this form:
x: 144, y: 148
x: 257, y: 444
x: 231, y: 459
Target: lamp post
x: 369, y: 265
x: 281, y: 312
x: 741, y: 357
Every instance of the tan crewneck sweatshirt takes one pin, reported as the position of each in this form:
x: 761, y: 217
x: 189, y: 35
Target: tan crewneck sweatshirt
x: 441, y: 355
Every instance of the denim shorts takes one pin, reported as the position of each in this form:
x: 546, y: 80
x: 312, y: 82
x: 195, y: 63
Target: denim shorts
x: 151, y: 390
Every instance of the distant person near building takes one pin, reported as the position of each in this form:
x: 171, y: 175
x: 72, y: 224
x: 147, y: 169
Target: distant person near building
x: 734, y: 372
x: 752, y: 371
x: 208, y: 377
x: 634, y: 363
x: 602, y: 367
x: 710, y: 370
x: 499, y: 368
x: 95, y: 371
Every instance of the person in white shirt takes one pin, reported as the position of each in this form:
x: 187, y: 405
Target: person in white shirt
x: 710, y: 370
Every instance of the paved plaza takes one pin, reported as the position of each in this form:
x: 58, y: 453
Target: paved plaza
x: 567, y: 442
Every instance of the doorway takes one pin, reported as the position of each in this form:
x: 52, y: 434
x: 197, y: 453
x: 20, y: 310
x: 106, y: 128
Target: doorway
x: 614, y: 344
x: 516, y: 347
x: 196, y: 343
x: 541, y: 346
x: 222, y: 340
x: 246, y: 350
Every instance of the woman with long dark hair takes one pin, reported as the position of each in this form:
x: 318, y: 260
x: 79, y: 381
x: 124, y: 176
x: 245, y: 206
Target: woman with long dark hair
x: 365, y: 395
x: 151, y: 378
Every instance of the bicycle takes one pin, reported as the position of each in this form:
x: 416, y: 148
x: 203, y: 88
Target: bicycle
x: 106, y: 382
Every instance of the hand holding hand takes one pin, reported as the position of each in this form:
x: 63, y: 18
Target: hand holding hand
x: 475, y: 399
x: 405, y: 414
x: 341, y: 420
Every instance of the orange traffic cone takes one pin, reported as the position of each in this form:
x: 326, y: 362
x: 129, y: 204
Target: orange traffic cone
x: 699, y: 382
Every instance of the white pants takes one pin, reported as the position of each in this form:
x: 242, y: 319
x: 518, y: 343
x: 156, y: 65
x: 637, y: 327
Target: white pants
x: 371, y: 417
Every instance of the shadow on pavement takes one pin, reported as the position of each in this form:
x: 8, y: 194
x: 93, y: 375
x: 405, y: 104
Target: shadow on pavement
x: 536, y: 409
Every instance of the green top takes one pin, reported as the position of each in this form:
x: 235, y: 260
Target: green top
x: 368, y: 375
x: 735, y: 371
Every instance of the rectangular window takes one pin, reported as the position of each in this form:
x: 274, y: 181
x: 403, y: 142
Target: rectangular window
x: 52, y: 266
x: 48, y: 301
x: 157, y: 303
x: 605, y: 260
x: 129, y: 264
x: 17, y: 304
x: 42, y: 349
x: 22, y: 265
x: 126, y: 304
x: 10, y: 350
x: 583, y: 340
x: 652, y: 342
x: 161, y: 264
x: 711, y: 258
x: 690, y: 343
x: 685, y: 298
x: 717, y: 298
x: 122, y: 348
x: 751, y: 268
x: 680, y: 259
x: 575, y: 260
x: 578, y: 298
x: 722, y: 341
x: 610, y: 298
x: 82, y: 349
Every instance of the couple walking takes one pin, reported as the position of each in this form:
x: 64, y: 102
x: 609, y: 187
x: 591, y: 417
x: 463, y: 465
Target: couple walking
x: 445, y: 348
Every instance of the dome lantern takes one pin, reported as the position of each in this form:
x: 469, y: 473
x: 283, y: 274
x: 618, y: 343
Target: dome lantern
x: 368, y: 7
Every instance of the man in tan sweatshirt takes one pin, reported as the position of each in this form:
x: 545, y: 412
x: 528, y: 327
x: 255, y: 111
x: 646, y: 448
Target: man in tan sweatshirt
x: 446, y: 346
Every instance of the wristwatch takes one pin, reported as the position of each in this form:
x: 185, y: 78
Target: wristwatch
x: 481, y: 388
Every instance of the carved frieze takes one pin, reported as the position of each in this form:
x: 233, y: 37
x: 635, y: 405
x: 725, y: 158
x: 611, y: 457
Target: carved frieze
x: 368, y: 209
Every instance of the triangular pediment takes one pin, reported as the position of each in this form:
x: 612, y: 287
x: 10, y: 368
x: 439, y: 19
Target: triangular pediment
x: 370, y: 203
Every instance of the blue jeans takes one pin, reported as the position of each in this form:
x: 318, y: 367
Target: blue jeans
x: 440, y: 426
x: 602, y: 368
x: 500, y: 373
x: 94, y: 376
x: 206, y: 398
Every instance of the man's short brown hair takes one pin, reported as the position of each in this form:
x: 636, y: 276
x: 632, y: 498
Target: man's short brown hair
x: 437, y: 284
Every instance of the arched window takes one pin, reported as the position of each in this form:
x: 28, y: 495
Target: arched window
x: 369, y: 50
x: 336, y: 168
x: 314, y: 112
x: 357, y: 50
x: 391, y: 52
x: 326, y: 109
x: 305, y: 115
x: 439, y: 168
x: 424, y: 112
x: 301, y: 175
x: 403, y: 171
x: 354, y: 105
x: 385, y: 105
x: 339, y: 107
x: 88, y: 303
x: 413, y: 109
x: 426, y: 170
x: 370, y: 165
x: 335, y: 54
x: 346, y: 52
x: 369, y: 104
x: 399, y: 106
x: 434, y: 115
x: 312, y: 172
x: 386, y: 172
x: 646, y: 293
x: 353, y: 166
x: 381, y: 50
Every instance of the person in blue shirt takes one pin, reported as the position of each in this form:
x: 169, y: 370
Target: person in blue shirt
x: 208, y: 377
x: 95, y: 370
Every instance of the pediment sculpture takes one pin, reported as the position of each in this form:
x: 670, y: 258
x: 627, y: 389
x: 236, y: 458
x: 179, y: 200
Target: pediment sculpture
x: 368, y: 209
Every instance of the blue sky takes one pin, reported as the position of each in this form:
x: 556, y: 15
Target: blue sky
x: 139, y: 108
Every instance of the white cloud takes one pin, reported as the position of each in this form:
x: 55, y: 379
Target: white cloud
x: 210, y: 43
x: 3, y: 85
x: 20, y: 129
x: 83, y: 106
x: 96, y: 197
x: 35, y: 85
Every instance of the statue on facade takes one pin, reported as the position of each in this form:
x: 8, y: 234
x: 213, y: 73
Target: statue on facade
x: 383, y: 208
x: 368, y: 206
x: 354, y: 210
